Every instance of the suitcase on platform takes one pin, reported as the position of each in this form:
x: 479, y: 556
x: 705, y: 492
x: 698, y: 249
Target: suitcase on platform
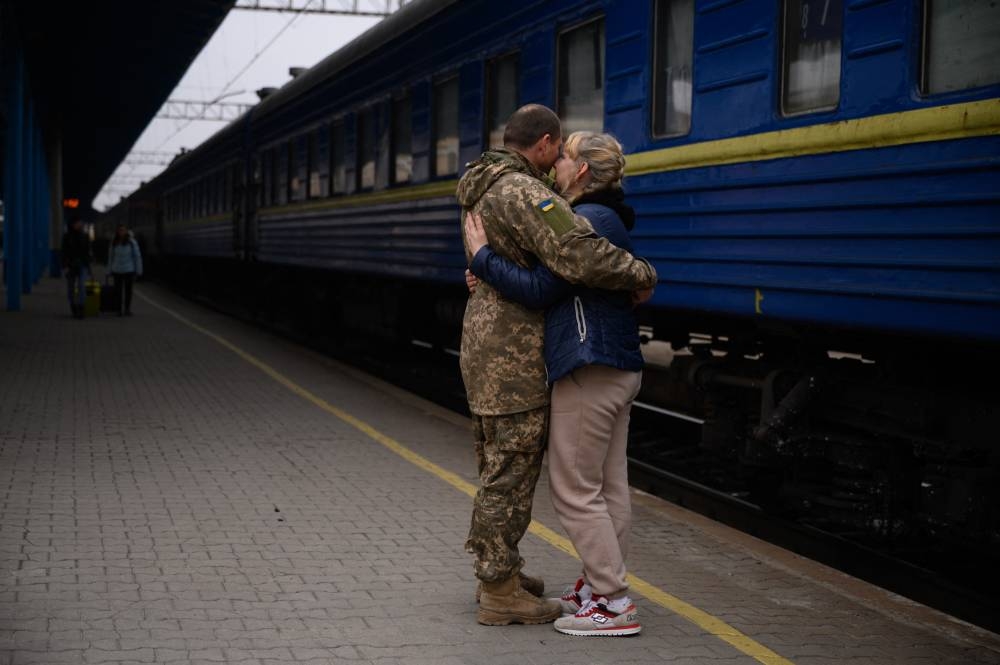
x: 92, y: 301
x: 111, y: 298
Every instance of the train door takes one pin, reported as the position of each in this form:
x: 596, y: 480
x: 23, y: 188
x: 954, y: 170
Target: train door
x: 238, y: 185
x: 160, y: 220
x: 250, y: 196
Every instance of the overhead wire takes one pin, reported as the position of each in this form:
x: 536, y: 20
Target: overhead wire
x: 226, y: 87
x: 242, y: 71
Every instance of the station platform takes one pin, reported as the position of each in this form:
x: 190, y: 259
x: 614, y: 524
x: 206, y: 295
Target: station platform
x: 180, y: 487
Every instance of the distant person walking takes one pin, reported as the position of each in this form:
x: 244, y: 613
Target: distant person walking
x: 125, y: 264
x: 76, y: 263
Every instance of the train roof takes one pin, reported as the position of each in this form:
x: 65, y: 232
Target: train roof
x: 378, y: 35
x: 385, y: 31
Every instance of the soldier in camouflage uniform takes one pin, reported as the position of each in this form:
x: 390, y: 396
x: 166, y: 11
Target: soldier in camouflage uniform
x: 502, y: 348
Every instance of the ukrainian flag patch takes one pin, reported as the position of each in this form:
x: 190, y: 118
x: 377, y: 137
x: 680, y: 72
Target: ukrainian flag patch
x: 558, y: 218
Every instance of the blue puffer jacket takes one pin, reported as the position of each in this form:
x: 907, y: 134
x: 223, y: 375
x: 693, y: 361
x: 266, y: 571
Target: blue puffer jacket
x: 125, y: 258
x: 583, y: 326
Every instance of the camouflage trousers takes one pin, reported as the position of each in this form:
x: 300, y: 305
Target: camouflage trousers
x: 509, y: 452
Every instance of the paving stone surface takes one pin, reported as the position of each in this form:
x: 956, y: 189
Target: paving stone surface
x: 162, y: 500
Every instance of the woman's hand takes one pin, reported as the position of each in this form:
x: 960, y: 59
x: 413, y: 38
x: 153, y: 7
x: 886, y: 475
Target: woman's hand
x: 471, y: 281
x: 475, y: 234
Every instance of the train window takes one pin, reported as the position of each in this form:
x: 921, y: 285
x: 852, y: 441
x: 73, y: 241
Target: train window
x: 338, y: 150
x: 446, y: 127
x: 281, y: 174
x: 673, y: 54
x: 299, y: 168
x: 227, y: 189
x: 402, y: 140
x: 267, y: 179
x: 236, y: 186
x: 209, y: 190
x: 255, y: 182
x: 319, y: 163
x: 502, y: 96
x: 366, y: 149
x: 810, y: 79
x: 216, y: 185
x: 220, y: 191
x: 206, y: 194
x: 581, y: 78
x: 312, y: 166
x: 961, y: 45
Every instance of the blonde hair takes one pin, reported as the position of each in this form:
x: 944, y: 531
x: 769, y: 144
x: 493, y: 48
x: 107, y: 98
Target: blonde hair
x: 603, y: 155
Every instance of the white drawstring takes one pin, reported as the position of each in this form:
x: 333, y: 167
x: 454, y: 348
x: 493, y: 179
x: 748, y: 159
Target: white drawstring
x: 581, y: 322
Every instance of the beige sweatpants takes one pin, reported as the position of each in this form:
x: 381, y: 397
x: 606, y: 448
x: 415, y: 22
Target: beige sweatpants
x: 588, y: 472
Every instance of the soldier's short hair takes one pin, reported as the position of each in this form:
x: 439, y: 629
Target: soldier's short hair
x: 527, y: 125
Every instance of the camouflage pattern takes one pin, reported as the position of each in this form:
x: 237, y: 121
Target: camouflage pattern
x: 509, y: 452
x: 525, y: 221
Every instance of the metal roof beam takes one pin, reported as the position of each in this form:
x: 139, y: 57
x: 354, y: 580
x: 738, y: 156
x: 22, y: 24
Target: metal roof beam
x: 147, y: 158
x: 329, y: 7
x: 185, y: 109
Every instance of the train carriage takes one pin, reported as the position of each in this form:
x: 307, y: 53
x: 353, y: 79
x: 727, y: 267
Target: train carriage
x: 817, y: 183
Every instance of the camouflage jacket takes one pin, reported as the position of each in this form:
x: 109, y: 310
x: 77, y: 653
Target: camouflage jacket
x: 502, y: 341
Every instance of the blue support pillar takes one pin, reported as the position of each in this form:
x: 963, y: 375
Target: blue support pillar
x: 44, y: 211
x: 38, y: 204
x: 13, y: 176
x: 53, y: 181
x: 28, y: 200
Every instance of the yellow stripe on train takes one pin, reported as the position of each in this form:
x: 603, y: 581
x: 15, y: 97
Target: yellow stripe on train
x: 939, y: 123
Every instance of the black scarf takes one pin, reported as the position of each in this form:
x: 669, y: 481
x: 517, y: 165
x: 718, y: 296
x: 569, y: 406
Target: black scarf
x: 614, y: 198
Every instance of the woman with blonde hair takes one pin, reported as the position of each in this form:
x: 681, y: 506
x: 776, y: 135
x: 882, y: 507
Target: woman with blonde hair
x: 595, y: 369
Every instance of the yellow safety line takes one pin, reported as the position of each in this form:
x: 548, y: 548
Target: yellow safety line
x: 700, y: 618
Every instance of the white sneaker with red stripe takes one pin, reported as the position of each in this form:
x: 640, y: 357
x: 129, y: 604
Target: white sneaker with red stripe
x: 575, y: 597
x: 596, y: 618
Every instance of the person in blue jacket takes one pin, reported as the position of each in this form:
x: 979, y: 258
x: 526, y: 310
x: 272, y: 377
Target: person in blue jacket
x: 595, y: 369
x: 125, y: 264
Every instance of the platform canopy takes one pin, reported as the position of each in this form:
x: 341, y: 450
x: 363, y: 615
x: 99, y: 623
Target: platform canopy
x: 99, y: 71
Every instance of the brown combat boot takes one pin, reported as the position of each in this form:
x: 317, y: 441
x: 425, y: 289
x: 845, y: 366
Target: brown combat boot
x: 533, y: 585
x: 504, y: 603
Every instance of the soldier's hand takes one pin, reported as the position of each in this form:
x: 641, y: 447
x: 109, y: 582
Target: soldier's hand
x: 640, y: 296
x: 475, y: 234
x: 471, y: 281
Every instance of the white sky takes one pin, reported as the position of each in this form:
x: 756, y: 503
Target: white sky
x: 309, y: 39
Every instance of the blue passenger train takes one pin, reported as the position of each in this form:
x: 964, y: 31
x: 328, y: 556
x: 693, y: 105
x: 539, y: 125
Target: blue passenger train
x: 817, y: 183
